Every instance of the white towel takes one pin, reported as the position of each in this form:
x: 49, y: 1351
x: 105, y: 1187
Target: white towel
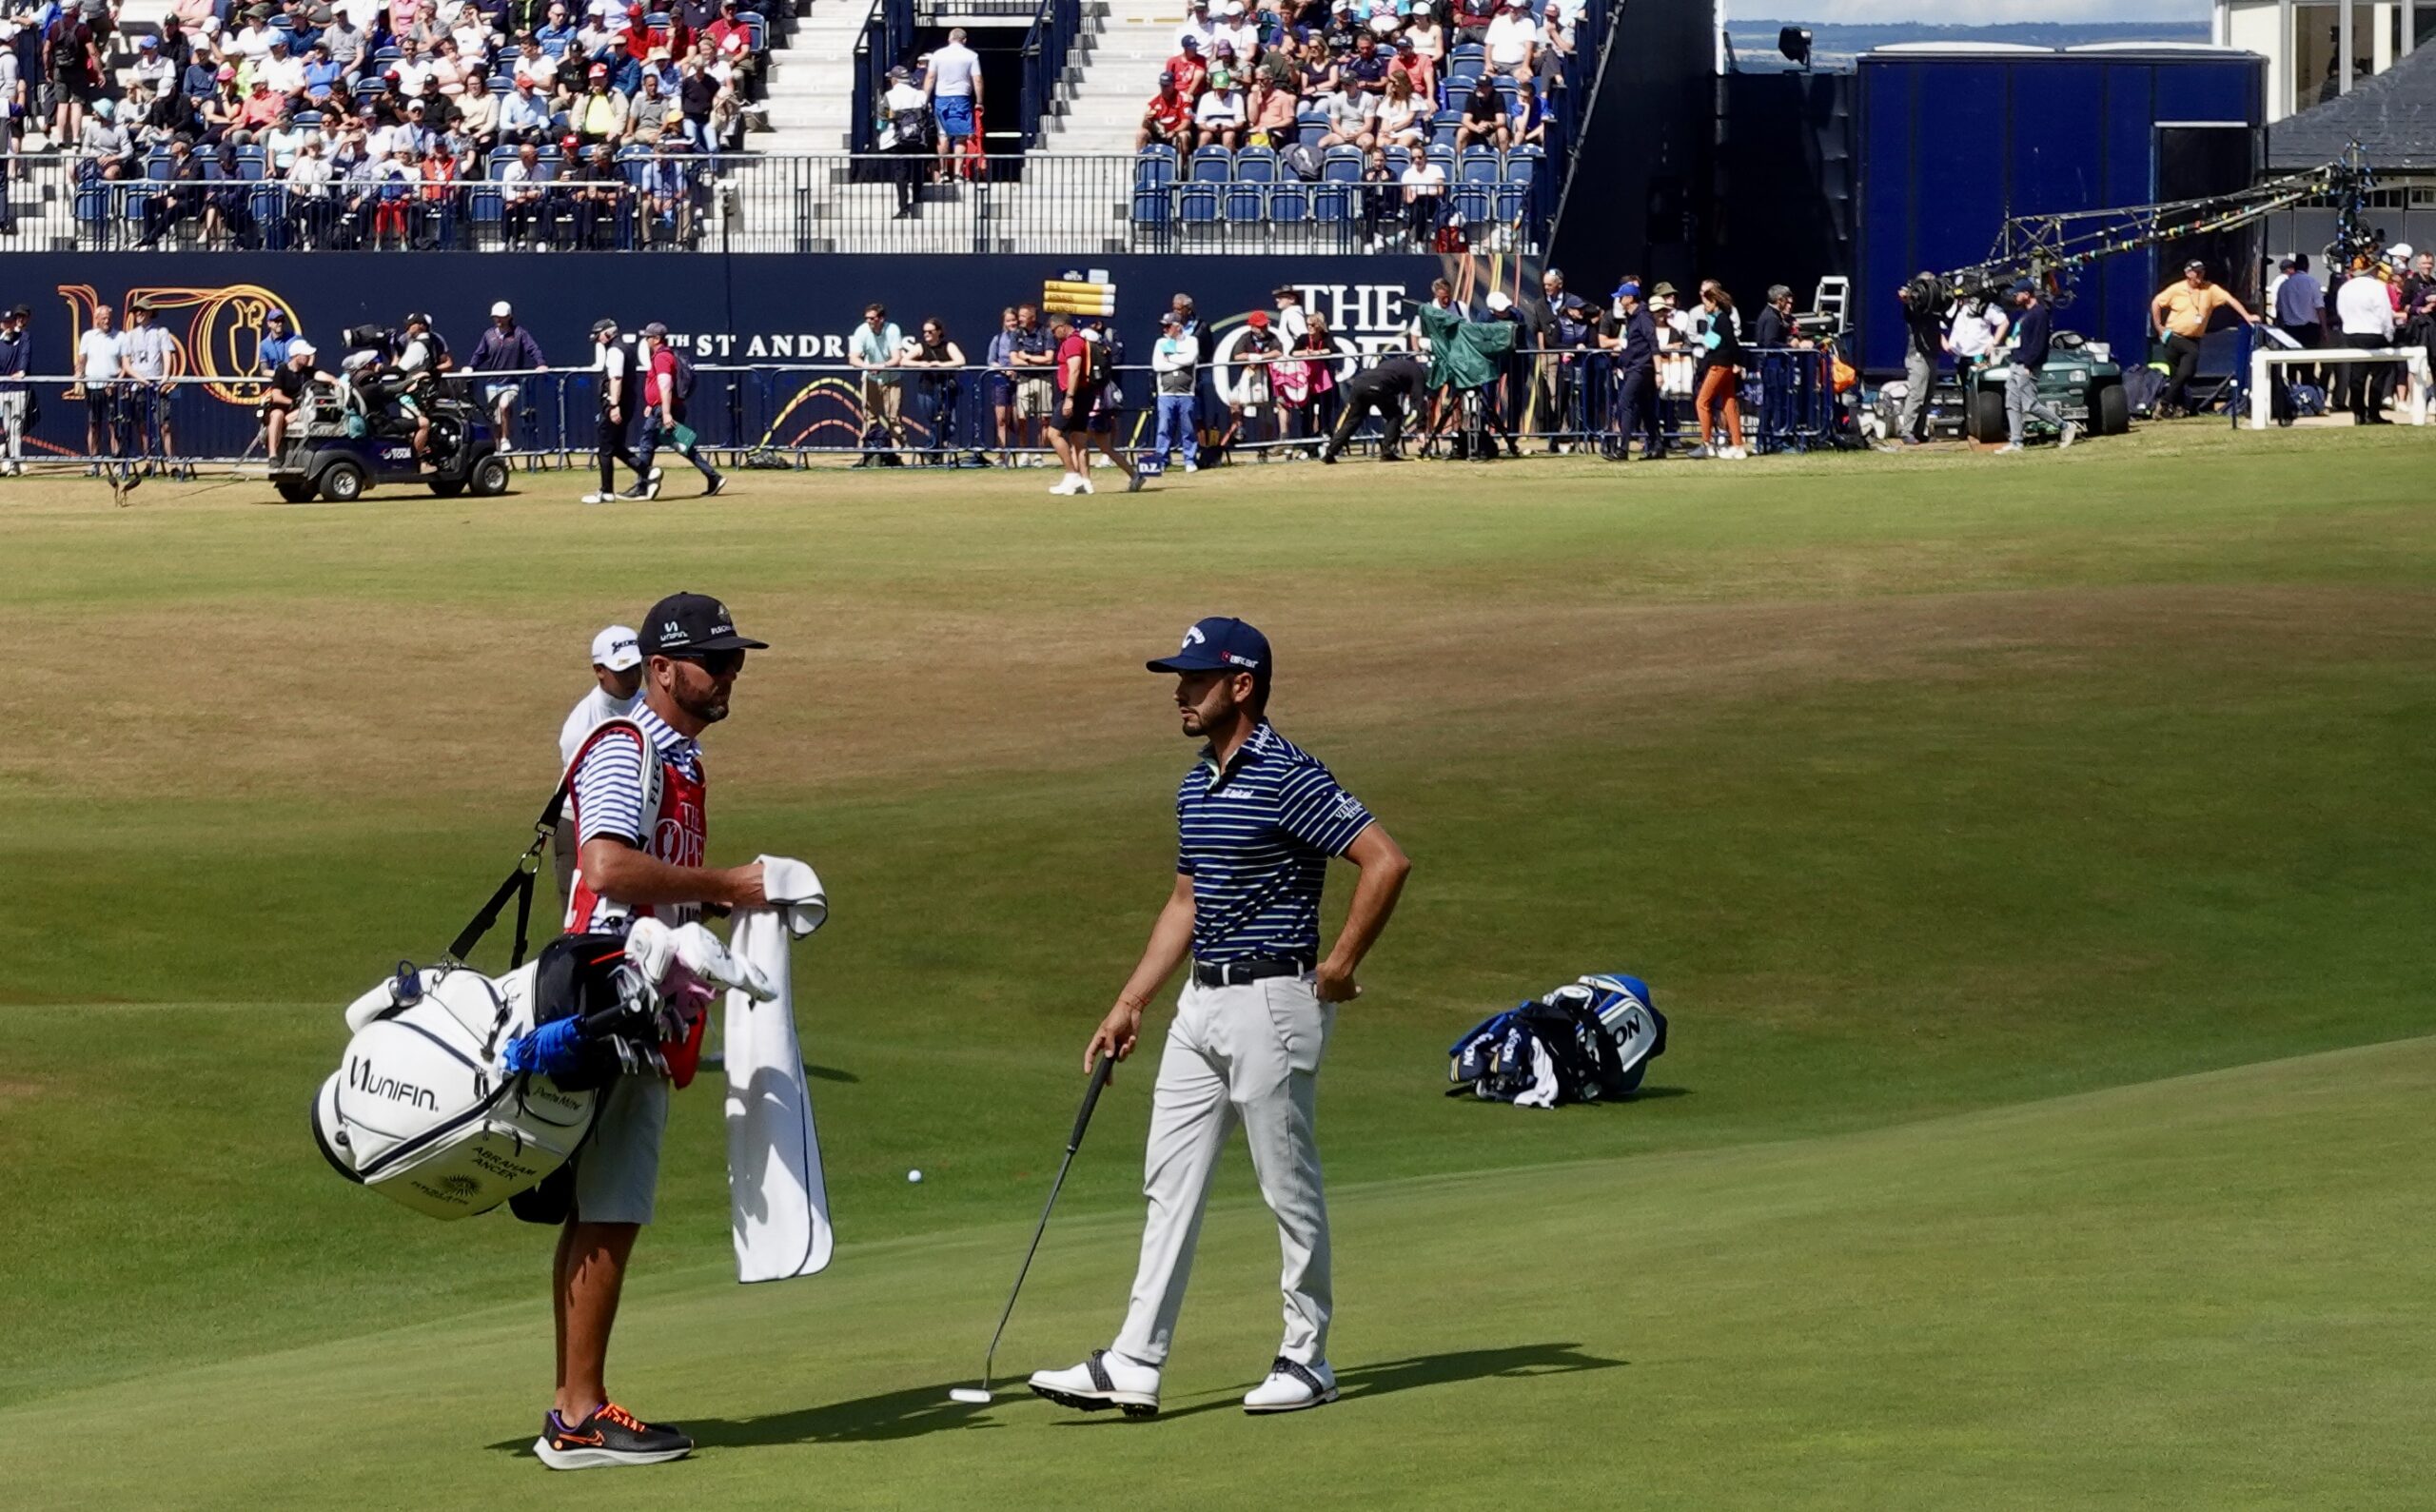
x: 778, y: 1203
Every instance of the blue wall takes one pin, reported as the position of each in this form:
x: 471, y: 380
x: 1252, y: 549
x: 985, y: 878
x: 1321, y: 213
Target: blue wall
x: 1951, y: 146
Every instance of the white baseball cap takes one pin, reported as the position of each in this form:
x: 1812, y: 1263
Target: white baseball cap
x: 300, y: 347
x: 616, y: 649
x: 500, y: 311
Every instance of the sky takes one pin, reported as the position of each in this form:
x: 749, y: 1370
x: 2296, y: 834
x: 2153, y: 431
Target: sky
x: 1971, y: 12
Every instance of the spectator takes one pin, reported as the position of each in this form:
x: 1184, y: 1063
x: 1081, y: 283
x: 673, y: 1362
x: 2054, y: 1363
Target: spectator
x: 344, y: 40
x: 1318, y: 70
x: 1429, y: 40
x: 1511, y: 40
x: 1366, y: 67
x: 1344, y: 27
x: 937, y: 363
x: 876, y: 348
x: 1272, y: 111
x: 2299, y: 309
x: 179, y: 199
x: 1256, y: 356
x: 1383, y: 19
x: 697, y: 98
x: 953, y: 86
x: 1035, y: 364
x: 309, y: 195
x: 599, y: 197
x: 1526, y: 123
x: 523, y: 218
x: 1775, y: 327
x: 100, y: 364
x: 105, y: 144
x: 1425, y: 186
x: 1001, y: 358
x: 71, y: 60
x: 148, y: 352
x: 906, y: 136
x: 1473, y: 19
x: 1197, y: 28
x: 600, y: 116
x: 1192, y: 71
x: 1419, y: 71
x: 1241, y: 31
x: 1404, y: 121
x: 1353, y: 119
x: 524, y: 115
x: 1168, y: 120
x: 1484, y: 121
x: 16, y: 396
x: 1721, y: 376
x: 152, y: 69
x: 1382, y: 199
x: 1540, y: 318
x: 557, y: 32
x: 1173, y: 360
x: 1631, y: 334
x: 1219, y: 116
x: 2180, y: 313
x: 2366, y: 312
x: 2032, y: 333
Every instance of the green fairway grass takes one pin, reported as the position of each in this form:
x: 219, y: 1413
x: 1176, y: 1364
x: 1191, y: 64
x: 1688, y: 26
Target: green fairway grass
x: 2031, y: 851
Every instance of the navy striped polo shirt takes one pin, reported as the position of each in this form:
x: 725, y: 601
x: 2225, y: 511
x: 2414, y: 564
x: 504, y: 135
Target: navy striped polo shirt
x: 1256, y: 839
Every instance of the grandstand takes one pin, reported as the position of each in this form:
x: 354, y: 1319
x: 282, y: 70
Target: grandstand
x: 791, y: 169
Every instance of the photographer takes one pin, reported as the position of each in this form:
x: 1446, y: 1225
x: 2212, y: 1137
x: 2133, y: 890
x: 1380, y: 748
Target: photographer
x: 1923, y: 301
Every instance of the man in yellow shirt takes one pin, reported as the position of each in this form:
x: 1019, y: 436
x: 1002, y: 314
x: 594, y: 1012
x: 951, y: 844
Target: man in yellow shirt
x: 2180, y: 313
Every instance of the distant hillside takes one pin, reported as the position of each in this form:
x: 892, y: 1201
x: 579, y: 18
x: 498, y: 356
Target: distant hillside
x: 1754, y: 40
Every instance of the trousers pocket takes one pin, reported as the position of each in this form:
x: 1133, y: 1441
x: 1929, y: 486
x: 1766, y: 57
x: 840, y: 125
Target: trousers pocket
x: 1300, y: 1019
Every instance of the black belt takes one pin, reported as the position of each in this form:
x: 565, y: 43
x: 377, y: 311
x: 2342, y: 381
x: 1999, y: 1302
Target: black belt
x: 1250, y: 969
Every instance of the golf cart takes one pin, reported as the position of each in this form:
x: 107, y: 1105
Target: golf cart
x: 2081, y: 380
x: 345, y: 438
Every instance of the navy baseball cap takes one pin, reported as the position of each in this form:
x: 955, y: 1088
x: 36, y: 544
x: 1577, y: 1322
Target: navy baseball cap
x: 684, y: 624
x: 1218, y: 645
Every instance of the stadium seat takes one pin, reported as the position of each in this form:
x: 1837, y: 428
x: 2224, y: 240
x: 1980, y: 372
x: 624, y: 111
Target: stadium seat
x: 1198, y: 200
x: 1444, y: 158
x: 1247, y: 194
x: 1521, y: 170
x: 757, y: 29
x: 1289, y: 203
x: 502, y: 83
x: 1397, y: 160
x: 1442, y: 130
x: 1309, y: 128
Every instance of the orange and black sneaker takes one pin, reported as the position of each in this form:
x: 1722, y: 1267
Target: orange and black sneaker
x: 610, y: 1436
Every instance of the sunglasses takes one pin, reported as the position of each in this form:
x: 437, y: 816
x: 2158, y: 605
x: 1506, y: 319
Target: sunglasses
x: 718, y: 663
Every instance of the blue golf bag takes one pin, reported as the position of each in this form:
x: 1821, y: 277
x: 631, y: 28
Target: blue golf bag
x: 1586, y: 1041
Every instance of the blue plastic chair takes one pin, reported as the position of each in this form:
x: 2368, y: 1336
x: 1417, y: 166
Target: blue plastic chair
x: 1522, y: 170
x: 757, y: 29
x: 1247, y: 195
x: 1289, y: 203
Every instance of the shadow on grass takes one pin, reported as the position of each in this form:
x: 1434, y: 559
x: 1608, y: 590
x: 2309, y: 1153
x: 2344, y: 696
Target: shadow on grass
x: 1360, y: 1383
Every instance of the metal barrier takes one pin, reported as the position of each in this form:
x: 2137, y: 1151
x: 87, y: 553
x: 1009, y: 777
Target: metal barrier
x: 790, y: 413
x: 1054, y: 26
x: 1059, y: 205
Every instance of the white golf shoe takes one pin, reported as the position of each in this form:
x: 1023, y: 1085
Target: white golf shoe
x: 1291, y: 1386
x: 1072, y: 483
x: 1105, y: 1380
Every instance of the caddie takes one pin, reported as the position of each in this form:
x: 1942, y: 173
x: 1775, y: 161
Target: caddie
x: 634, y: 856
x: 618, y: 683
x: 1257, y: 821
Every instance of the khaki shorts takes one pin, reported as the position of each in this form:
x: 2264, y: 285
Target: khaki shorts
x: 617, y: 1172
x: 1035, y: 398
x: 882, y: 401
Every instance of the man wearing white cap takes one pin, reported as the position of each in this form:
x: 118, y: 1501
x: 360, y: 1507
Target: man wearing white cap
x: 617, y: 670
x: 507, y: 347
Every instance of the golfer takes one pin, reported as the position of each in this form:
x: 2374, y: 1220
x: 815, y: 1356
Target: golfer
x: 618, y: 684
x: 1257, y: 820
x: 630, y: 862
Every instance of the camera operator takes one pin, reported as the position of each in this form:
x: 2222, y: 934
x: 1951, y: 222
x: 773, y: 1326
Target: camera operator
x: 1923, y: 301
x: 1392, y: 391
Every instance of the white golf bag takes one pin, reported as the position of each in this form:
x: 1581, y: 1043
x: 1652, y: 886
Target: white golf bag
x: 423, y: 1109
x: 419, y: 1111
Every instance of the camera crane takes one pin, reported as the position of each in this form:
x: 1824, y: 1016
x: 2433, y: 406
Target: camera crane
x: 2047, y: 250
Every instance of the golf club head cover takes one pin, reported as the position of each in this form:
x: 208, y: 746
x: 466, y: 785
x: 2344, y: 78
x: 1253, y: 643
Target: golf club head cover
x: 554, y: 1049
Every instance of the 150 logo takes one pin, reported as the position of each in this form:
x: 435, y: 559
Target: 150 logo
x: 218, y: 332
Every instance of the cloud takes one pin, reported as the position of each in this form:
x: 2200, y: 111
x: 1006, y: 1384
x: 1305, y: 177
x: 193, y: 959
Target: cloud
x: 1978, y: 13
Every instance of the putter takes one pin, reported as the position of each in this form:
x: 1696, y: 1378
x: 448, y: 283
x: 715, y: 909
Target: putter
x: 979, y: 1396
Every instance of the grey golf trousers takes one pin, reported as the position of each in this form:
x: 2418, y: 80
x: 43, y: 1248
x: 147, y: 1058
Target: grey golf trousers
x: 1247, y: 1054
x: 2023, y: 404
x: 1920, y: 380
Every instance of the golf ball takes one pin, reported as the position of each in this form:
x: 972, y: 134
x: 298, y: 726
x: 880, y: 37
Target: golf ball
x: 913, y: 1175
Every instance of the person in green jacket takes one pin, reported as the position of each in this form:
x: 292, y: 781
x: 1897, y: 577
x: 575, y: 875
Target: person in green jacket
x: 1465, y: 356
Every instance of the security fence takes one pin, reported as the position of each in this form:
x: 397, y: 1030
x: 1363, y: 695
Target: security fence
x: 639, y: 200
x: 794, y: 414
